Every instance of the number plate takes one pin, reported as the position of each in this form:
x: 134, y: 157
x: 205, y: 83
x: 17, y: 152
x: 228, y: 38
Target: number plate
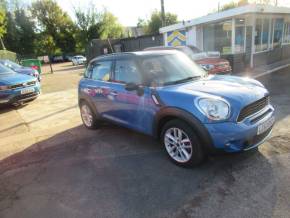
x: 27, y: 91
x: 266, y: 125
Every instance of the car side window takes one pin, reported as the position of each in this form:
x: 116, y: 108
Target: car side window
x: 126, y: 71
x: 101, y: 70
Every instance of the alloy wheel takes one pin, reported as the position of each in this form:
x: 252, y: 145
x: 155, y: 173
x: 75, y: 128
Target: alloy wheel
x: 178, y: 144
x: 87, y: 115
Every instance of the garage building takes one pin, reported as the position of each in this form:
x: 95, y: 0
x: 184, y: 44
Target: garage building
x: 248, y: 36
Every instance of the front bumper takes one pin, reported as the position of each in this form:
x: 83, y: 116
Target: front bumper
x: 241, y: 136
x: 15, y: 96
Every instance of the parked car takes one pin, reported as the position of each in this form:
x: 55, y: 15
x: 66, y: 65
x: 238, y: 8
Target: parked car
x: 79, y: 59
x: 17, y: 88
x: 166, y: 95
x: 57, y: 59
x: 210, y: 61
x: 20, y: 69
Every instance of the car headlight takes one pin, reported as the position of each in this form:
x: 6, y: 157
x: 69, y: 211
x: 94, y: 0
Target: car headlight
x: 214, y: 108
x: 207, y: 67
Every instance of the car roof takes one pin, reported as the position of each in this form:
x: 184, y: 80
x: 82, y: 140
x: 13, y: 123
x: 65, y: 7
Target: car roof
x: 165, y: 48
x: 133, y: 54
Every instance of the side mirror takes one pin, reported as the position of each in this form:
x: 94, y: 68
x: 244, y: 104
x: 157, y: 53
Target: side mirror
x: 131, y: 86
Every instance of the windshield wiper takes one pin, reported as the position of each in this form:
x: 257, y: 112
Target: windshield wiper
x: 182, y: 80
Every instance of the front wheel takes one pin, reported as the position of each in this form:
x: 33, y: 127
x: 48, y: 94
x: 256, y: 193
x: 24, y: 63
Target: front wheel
x: 181, y: 144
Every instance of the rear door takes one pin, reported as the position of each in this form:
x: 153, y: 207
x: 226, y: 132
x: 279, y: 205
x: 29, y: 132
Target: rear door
x: 98, y: 85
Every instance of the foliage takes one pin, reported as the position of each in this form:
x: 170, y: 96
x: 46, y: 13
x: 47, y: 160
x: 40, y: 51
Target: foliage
x: 153, y: 25
x: 109, y: 27
x: 95, y: 25
x: 53, y: 21
x: 2, y: 18
x: 234, y: 4
x: 44, y: 44
x: 41, y: 27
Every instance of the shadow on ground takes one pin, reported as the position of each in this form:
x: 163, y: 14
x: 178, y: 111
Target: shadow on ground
x: 69, y: 68
x: 114, y: 172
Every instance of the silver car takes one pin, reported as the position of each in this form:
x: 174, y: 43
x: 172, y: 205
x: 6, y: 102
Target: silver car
x: 78, y: 59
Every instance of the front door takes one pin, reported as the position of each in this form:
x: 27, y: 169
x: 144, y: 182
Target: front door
x: 132, y: 109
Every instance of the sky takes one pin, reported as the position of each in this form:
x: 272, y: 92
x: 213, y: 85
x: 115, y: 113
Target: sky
x: 128, y: 11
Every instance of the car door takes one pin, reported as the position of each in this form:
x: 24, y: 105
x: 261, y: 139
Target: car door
x: 132, y: 108
x: 98, y: 85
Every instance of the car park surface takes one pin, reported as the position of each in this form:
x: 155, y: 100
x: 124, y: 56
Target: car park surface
x: 51, y: 166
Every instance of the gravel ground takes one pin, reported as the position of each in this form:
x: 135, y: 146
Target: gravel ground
x: 51, y: 166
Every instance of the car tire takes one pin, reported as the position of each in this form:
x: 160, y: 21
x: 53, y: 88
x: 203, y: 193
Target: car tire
x: 181, y: 143
x: 88, y: 116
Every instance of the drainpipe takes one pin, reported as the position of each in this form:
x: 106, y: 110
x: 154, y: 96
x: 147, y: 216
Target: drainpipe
x: 253, y: 40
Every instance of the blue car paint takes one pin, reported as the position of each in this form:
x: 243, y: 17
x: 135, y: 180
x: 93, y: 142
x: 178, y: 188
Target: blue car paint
x: 21, y: 69
x: 12, y: 78
x: 138, y: 112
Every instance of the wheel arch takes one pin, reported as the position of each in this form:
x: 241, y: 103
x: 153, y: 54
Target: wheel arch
x: 169, y: 113
x: 90, y: 103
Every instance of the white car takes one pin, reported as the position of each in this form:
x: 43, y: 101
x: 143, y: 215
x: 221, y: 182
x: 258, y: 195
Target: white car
x: 78, y: 59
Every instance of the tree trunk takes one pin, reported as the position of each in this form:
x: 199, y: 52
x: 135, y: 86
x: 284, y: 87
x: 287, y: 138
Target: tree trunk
x: 50, y: 65
x: 2, y: 44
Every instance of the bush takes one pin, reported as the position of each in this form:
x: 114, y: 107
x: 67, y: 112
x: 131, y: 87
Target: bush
x: 5, y: 54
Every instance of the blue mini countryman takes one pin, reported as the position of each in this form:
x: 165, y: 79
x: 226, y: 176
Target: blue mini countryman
x: 165, y: 95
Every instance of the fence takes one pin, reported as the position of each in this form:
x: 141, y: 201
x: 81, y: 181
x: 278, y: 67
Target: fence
x: 99, y: 47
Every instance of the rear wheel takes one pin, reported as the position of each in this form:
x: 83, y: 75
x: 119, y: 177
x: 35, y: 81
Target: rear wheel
x: 88, y: 117
x: 181, y: 144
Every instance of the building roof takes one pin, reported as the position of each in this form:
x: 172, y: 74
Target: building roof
x: 251, y: 8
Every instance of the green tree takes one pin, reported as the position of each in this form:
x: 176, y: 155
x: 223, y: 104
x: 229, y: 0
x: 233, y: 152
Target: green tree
x: 92, y: 24
x: 234, y: 4
x: 153, y: 25
x: 20, y: 32
x: 45, y: 45
x: 109, y: 27
x: 87, y: 26
x: 2, y: 21
x: 53, y: 21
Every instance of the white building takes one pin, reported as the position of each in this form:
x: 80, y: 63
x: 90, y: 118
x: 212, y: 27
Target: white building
x: 251, y: 35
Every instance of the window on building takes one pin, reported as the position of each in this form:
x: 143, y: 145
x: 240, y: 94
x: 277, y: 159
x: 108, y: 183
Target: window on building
x: 218, y: 37
x: 262, y: 34
x: 278, y: 30
x: 286, y: 36
x: 239, y: 35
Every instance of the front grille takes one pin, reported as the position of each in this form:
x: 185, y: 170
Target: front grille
x: 25, y: 96
x: 21, y: 85
x: 253, y: 108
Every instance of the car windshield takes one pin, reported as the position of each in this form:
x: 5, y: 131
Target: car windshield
x: 170, y: 69
x: 5, y: 70
x: 11, y: 64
